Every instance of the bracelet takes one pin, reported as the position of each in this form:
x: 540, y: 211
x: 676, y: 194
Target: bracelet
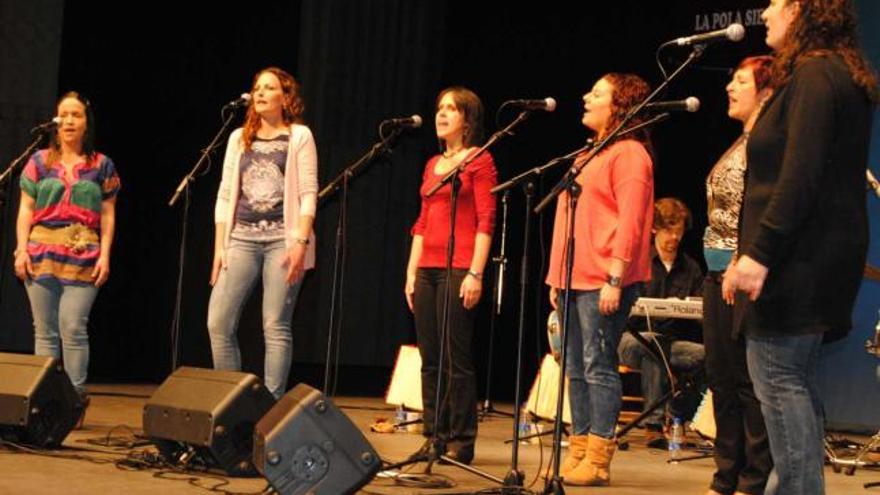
x: 476, y: 275
x: 299, y: 240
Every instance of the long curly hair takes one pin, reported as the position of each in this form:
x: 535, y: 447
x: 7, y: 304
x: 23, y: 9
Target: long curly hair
x: 822, y: 28
x: 629, y: 91
x: 88, y: 144
x: 291, y: 112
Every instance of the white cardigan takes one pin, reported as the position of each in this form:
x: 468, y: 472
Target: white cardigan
x: 300, y: 186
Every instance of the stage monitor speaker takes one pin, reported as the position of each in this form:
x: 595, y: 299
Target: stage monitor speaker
x: 306, y: 445
x: 207, y: 416
x: 38, y: 404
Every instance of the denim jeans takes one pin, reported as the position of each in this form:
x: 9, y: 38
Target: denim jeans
x: 683, y: 356
x: 783, y: 370
x: 457, y: 412
x: 246, y: 260
x: 61, y: 317
x: 591, y: 360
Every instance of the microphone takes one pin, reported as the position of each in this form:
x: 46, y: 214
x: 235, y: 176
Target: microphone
x: 873, y: 184
x: 47, y: 126
x: 413, y: 121
x: 733, y: 32
x: 547, y: 104
x: 242, y: 101
x: 689, y: 104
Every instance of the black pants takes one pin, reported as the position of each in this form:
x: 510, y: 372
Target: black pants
x: 457, y: 425
x: 742, y: 451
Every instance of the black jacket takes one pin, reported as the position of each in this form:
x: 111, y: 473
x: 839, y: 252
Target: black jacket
x: 804, y: 214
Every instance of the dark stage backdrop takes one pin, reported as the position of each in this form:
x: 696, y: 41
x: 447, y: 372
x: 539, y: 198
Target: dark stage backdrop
x: 158, y: 77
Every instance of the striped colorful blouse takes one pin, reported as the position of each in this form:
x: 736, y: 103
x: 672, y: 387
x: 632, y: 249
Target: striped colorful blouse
x: 64, y: 242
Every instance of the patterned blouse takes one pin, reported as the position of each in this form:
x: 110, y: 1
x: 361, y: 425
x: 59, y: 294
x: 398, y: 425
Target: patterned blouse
x: 724, y: 194
x: 64, y: 242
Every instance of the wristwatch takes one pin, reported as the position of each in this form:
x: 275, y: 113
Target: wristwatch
x: 614, y: 281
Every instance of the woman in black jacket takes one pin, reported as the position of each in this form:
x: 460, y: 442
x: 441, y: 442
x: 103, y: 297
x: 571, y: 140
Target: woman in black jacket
x: 804, y: 230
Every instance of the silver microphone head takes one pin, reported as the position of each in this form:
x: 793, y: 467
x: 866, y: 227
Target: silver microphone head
x: 551, y: 104
x: 736, y: 32
x: 692, y: 104
x: 417, y: 121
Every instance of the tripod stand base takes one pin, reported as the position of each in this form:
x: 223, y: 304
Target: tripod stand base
x: 554, y: 487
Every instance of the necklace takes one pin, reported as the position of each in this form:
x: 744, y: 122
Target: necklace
x: 451, y: 153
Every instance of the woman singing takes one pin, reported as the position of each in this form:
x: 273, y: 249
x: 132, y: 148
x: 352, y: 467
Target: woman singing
x: 66, y: 221
x: 804, y: 230
x: 742, y: 454
x: 612, y: 225
x: 459, y: 129
x: 263, y: 216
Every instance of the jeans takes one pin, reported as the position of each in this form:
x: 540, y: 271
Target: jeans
x: 683, y: 356
x: 591, y: 362
x: 61, y: 317
x: 246, y: 260
x: 457, y: 423
x: 783, y: 370
x: 742, y: 451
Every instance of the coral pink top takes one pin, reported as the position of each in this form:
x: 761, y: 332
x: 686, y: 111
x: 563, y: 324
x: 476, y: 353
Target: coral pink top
x: 613, y: 219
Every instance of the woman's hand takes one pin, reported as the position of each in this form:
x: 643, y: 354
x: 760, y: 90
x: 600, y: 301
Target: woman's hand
x: 293, y: 261
x: 748, y: 276
x: 24, y: 269
x: 554, y: 298
x: 728, y: 291
x: 219, y: 264
x: 609, y: 300
x: 409, y: 288
x: 470, y: 290
x: 102, y: 270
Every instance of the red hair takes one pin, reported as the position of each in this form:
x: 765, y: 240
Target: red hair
x: 761, y: 67
x: 292, y: 107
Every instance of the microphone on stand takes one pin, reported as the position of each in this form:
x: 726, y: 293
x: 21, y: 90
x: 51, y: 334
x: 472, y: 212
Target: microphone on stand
x: 547, y: 104
x: 413, y: 121
x: 242, y: 101
x: 733, y: 32
x: 47, y: 126
x: 690, y: 104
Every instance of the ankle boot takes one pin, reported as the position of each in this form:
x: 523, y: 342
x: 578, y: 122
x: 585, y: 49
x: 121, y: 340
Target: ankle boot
x: 577, y: 450
x: 596, y: 468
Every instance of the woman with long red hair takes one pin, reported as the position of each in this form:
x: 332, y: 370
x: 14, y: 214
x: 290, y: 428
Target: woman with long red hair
x: 263, y: 216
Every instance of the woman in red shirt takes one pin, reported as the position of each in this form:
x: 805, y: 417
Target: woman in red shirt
x: 612, y: 230
x: 459, y: 128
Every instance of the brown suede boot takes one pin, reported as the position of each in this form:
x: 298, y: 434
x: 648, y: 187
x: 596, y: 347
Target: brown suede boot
x: 577, y: 450
x: 596, y: 469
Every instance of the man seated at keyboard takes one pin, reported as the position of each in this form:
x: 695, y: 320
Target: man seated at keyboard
x: 673, y: 274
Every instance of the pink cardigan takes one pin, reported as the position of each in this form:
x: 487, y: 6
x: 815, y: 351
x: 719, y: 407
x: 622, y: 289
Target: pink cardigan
x: 300, y: 185
x: 614, y: 216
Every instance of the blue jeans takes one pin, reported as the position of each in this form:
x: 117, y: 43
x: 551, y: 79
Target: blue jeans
x: 783, y: 370
x: 61, y: 318
x: 246, y: 260
x: 591, y: 361
x: 683, y: 356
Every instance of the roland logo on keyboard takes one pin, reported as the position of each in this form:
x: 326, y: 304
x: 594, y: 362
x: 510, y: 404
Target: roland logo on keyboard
x: 691, y: 308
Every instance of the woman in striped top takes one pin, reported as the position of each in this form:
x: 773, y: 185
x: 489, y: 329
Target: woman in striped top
x: 66, y: 220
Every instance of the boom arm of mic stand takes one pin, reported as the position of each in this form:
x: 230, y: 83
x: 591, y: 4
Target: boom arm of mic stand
x: 569, y: 177
x: 184, y: 183
x: 20, y: 158
x: 369, y: 156
x: 507, y: 131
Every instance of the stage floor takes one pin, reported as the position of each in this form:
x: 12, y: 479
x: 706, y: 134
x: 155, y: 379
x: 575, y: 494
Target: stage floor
x: 82, y: 467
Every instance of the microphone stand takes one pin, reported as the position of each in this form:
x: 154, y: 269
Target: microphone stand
x: 500, y: 264
x: 39, y: 134
x: 184, y: 187
x: 568, y: 183
x: 341, y: 182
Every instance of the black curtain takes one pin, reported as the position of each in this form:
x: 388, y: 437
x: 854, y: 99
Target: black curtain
x: 30, y: 47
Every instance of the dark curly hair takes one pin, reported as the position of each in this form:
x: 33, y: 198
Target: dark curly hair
x: 822, y: 28
x: 629, y: 91
x: 293, y: 106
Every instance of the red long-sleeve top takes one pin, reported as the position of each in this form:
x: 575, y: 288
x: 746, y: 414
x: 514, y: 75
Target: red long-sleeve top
x: 613, y: 219
x: 475, y: 212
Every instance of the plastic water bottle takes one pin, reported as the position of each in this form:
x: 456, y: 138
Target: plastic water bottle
x: 677, y: 439
x: 399, y: 418
x: 524, y: 428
